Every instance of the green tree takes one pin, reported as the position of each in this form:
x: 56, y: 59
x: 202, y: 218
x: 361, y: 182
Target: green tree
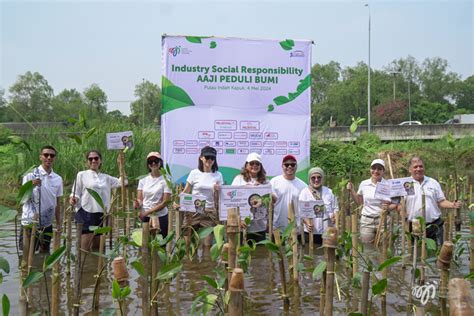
x: 69, y: 103
x: 147, y: 107
x: 436, y: 83
x: 323, y: 77
x: 465, y: 95
x: 116, y: 115
x: 31, y: 95
x: 96, y: 101
x: 432, y: 112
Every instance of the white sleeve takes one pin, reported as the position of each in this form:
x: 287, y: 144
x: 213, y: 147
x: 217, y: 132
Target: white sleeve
x: 191, y: 177
x: 237, y: 180
x: 60, y: 189
x: 116, y: 182
x: 141, y: 184
x: 221, y: 178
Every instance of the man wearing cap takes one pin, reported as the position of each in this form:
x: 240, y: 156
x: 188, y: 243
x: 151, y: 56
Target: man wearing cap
x: 286, y: 188
x: 434, y: 200
x: 372, y: 209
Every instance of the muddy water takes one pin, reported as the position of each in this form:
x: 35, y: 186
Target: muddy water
x: 262, y: 285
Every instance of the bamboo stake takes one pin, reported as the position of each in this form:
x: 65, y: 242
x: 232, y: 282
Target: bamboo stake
x: 423, y: 241
x: 311, y: 243
x: 26, y: 251
x: 461, y: 301
x: 322, y: 290
x: 443, y: 262
x: 355, y: 240
x: 471, y: 255
x: 329, y: 244
x: 365, y: 292
x: 270, y: 221
x: 154, y: 281
x: 383, y: 297
x: 145, y: 255
x: 404, y: 242
x: 100, y: 266
x: 236, y: 288
x: 77, y: 277
x: 233, y: 231
x: 286, y: 299
x: 294, y: 241
x: 55, y: 280
x: 303, y: 241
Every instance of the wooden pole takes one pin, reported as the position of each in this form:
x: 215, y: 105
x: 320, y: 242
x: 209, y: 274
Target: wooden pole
x: 461, y: 301
x: 311, y: 243
x: 69, y: 216
x: 233, y: 231
x: 423, y: 241
x: 270, y: 220
x: 365, y: 292
x: 322, y: 290
x: 294, y: 241
x: 100, y: 266
x: 303, y: 241
x: 26, y: 251
x: 355, y: 240
x: 329, y: 244
x: 154, y: 281
x: 236, y: 288
x: 77, y: 277
x: 443, y: 263
x: 281, y: 261
x: 55, y: 280
x: 383, y: 296
x: 471, y: 256
x: 404, y: 230
x: 145, y: 261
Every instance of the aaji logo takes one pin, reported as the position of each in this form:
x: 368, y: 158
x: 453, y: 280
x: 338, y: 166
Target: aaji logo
x: 175, y: 50
x: 232, y: 194
x: 297, y: 53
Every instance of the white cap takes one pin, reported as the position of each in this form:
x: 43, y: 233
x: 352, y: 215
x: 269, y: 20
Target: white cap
x: 254, y: 157
x: 378, y: 162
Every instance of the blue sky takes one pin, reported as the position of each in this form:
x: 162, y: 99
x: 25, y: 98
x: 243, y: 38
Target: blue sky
x: 117, y: 43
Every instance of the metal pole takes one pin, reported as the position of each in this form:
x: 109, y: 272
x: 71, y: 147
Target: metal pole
x: 143, y: 103
x: 409, y: 100
x: 368, y: 82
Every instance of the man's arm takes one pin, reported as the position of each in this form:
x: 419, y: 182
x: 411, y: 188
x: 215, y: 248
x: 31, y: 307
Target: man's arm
x: 449, y: 204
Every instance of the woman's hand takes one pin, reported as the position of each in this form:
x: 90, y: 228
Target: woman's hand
x: 73, y: 200
x: 217, y: 187
x: 308, y: 223
x: 137, y: 204
x: 333, y: 219
x: 349, y: 186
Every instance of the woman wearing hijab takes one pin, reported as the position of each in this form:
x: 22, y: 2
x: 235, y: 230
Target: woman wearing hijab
x: 325, y: 213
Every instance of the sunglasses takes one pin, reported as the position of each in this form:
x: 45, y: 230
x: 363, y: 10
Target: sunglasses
x: 288, y: 165
x: 96, y: 158
x: 48, y: 155
x: 316, y: 178
x: 154, y: 161
x: 210, y: 158
x: 254, y: 163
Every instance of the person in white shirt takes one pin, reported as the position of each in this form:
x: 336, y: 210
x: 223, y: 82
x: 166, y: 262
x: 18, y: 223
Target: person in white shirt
x: 205, y: 180
x: 253, y: 174
x: 372, y: 209
x: 325, y: 215
x: 286, y: 188
x: 88, y: 211
x: 434, y: 199
x: 44, y: 202
x: 153, y: 194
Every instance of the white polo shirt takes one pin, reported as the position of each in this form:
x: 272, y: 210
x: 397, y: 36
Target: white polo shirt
x: 330, y: 207
x: 153, y: 189
x: 372, y: 206
x: 433, y: 193
x: 101, y: 183
x: 51, y: 188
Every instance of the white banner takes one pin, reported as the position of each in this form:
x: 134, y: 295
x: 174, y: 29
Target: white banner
x: 311, y: 209
x: 192, y: 203
x: 251, y: 200
x: 238, y: 96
